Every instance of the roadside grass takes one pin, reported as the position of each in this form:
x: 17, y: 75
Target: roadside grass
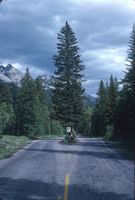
x: 10, y: 144
x: 127, y: 148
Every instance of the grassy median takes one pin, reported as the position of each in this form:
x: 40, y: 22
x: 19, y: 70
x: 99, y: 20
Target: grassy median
x: 10, y: 144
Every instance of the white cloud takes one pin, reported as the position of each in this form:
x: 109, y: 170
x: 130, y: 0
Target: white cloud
x: 91, y: 81
x: 37, y: 71
x: 112, y: 59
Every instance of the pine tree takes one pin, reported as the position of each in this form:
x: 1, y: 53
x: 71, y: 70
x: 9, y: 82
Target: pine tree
x: 101, y: 96
x: 85, y: 125
x: 129, y: 80
x: 67, y: 82
x: 112, y: 100
x: 7, y: 117
x: 126, y: 112
x: 5, y: 94
x: 123, y: 124
x: 42, y: 122
x: 98, y: 118
x: 25, y: 105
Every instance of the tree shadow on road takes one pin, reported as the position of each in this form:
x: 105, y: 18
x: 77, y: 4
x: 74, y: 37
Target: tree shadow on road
x: 23, y: 189
x: 95, y: 154
x: 91, y: 144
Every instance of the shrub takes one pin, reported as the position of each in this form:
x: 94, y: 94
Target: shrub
x: 109, y: 132
x: 70, y: 138
x: 56, y: 128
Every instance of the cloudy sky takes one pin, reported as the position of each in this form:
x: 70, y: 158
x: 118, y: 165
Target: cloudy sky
x: 28, y: 35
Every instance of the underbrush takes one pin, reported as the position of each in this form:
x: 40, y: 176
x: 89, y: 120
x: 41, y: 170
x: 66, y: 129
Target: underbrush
x: 10, y: 144
x: 72, y: 140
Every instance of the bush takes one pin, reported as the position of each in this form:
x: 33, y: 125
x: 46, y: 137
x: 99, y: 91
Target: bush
x: 109, y: 132
x: 70, y: 138
x: 6, y: 117
x: 56, y: 128
x: 74, y: 135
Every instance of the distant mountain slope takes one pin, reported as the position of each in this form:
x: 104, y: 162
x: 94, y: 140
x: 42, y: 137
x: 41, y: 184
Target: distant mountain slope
x: 13, y: 76
x: 89, y: 100
x: 10, y: 74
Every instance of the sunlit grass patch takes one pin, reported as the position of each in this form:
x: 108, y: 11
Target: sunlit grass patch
x: 10, y: 144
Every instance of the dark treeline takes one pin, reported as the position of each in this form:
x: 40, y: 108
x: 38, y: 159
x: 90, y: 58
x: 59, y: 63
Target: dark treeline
x: 103, y: 115
x: 24, y: 110
x: 114, y: 113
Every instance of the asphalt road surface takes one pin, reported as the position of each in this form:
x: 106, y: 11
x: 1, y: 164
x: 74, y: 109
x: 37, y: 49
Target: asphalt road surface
x: 49, y: 170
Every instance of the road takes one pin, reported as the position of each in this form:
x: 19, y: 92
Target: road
x: 49, y: 170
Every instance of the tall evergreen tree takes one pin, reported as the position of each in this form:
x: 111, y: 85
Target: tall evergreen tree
x: 125, y: 116
x: 42, y: 121
x: 98, y: 118
x: 25, y: 105
x: 85, y: 125
x: 5, y: 94
x: 129, y: 80
x: 123, y: 122
x: 67, y: 82
x: 101, y: 96
x: 7, y: 117
x: 112, y: 100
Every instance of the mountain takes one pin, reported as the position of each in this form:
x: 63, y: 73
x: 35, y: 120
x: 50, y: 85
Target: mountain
x: 46, y: 81
x: 13, y: 76
x: 10, y: 74
x: 89, y: 100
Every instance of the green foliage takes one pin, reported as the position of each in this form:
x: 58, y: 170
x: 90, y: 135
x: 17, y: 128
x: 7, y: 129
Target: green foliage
x: 104, y: 112
x: 25, y: 105
x: 10, y: 144
x: 114, y: 115
x: 99, y: 114
x: 85, y: 124
x: 31, y: 116
x: 42, y: 118
x: 112, y: 100
x: 67, y: 82
x: 56, y: 128
x: 69, y: 139
x: 109, y: 132
x: 27, y: 113
x: 129, y: 80
x: 7, y: 117
x: 4, y: 117
x: 125, y: 114
x: 97, y: 124
x: 31, y: 108
x: 74, y: 135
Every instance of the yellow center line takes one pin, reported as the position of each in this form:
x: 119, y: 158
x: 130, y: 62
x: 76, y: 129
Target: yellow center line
x: 66, y: 187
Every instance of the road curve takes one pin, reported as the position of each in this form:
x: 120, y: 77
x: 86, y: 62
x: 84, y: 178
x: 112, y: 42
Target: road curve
x: 87, y: 170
